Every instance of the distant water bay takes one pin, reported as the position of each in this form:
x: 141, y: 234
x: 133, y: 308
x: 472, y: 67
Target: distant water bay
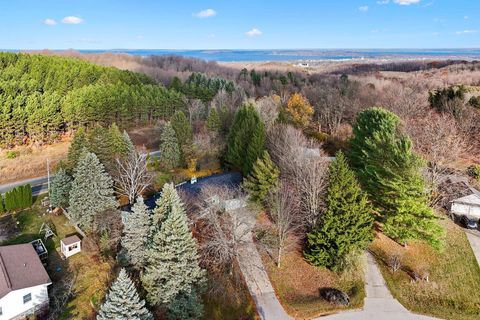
x: 311, y: 54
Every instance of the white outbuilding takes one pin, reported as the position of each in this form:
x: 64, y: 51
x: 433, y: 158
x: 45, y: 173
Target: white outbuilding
x: 468, y: 206
x: 70, y: 246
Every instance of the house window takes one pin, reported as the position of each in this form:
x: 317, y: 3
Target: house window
x: 27, y: 298
x: 1, y: 311
x: 73, y: 247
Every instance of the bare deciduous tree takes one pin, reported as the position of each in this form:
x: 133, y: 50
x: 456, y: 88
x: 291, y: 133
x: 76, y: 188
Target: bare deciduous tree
x: 439, y: 140
x: 303, y: 163
x: 268, y: 110
x: 284, y: 213
x: 132, y: 176
x: 222, y: 232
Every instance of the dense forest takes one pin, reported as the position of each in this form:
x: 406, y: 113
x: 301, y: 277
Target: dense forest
x: 42, y: 96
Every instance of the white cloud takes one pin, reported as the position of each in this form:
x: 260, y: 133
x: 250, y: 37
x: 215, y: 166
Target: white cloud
x: 254, y: 33
x: 49, y: 22
x: 363, y: 8
x: 207, y: 13
x: 139, y: 37
x: 406, y: 2
x: 466, y: 17
x: 382, y: 2
x: 72, y: 20
x: 211, y: 36
x: 467, y: 31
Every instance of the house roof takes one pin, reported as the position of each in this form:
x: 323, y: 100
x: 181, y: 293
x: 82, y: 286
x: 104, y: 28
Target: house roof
x: 20, y: 267
x: 71, y: 240
x: 473, y: 199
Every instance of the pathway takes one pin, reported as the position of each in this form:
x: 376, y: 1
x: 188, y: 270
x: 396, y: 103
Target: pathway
x: 379, y: 303
x: 256, y: 277
x: 473, y: 237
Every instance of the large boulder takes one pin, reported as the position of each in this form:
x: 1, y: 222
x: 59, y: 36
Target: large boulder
x: 335, y: 296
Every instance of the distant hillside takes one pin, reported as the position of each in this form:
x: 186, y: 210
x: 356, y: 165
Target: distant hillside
x: 41, y: 96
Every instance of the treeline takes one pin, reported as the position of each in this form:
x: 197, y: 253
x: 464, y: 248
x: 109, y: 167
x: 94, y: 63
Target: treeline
x: 404, y: 66
x: 41, y: 96
x: 199, y: 86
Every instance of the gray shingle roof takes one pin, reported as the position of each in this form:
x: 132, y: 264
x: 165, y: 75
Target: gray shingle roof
x: 71, y: 240
x: 20, y: 267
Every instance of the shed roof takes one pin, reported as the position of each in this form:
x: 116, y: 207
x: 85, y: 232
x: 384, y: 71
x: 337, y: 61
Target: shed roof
x: 472, y: 199
x: 71, y: 240
x: 20, y: 267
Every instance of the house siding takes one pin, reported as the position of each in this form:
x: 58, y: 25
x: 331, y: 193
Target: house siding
x: 13, y: 307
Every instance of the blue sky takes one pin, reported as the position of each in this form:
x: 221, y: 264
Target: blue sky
x: 239, y: 24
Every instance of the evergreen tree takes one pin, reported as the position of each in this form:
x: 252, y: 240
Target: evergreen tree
x: 185, y: 306
x: 182, y: 128
x: 347, y: 222
x: 169, y: 148
x: 214, y: 123
x: 60, y: 189
x: 91, y: 192
x: 262, y: 179
x: 390, y: 173
x: 136, y: 230
x: 79, y: 143
x: 129, y: 147
x: 172, y: 259
x: 123, y: 302
x: 118, y: 142
x: 246, y: 139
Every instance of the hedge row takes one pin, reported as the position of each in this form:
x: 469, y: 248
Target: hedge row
x: 17, y: 198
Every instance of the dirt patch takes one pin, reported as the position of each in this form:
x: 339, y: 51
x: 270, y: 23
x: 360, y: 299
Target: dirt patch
x: 8, y: 228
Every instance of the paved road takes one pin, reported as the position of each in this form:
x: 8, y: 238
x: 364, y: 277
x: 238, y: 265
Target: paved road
x: 256, y: 277
x: 40, y: 184
x: 379, y: 303
x: 473, y: 237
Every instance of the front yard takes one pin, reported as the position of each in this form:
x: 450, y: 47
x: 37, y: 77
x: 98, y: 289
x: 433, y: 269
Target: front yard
x: 451, y: 278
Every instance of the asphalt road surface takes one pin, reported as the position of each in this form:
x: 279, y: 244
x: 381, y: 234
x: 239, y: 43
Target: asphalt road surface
x: 40, y: 184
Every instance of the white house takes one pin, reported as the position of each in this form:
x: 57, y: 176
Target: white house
x: 468, y: 206
x: 23, y: 282
x: 70, y: 246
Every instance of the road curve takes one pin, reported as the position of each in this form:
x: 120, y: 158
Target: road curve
x: 40, y: 184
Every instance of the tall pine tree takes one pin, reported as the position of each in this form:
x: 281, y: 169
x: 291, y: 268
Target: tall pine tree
x: 169, y: 148
x: 390, y: 172
x: 262, y: 179
x: 136, y: 230
x: 122, y: 302
x: 172, y: 259
x: 182, y: 128
x: 60, y: 189
x: 79, y: 143
x: 246, y: 139
x: 214, y: 123
x: 92, y: 191
x: 347, y: 222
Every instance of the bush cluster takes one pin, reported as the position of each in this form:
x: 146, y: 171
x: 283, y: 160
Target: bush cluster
x: 17, y: 198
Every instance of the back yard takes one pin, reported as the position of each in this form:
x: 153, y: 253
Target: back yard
x: 81, y: 280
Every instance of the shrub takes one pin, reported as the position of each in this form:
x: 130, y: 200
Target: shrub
x: 474, y: 102
x: 2, y: 208
x: 474, y: 171
x: 19, y: 198
x: 12, y: 154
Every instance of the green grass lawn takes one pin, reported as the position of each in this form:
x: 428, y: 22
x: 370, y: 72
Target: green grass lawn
x: 453, y: 287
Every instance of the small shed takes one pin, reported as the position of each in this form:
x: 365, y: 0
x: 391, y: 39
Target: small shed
x: 468, y: 206
x: 71, y: 245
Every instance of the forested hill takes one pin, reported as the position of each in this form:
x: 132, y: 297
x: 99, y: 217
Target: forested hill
x: 42, y: 96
